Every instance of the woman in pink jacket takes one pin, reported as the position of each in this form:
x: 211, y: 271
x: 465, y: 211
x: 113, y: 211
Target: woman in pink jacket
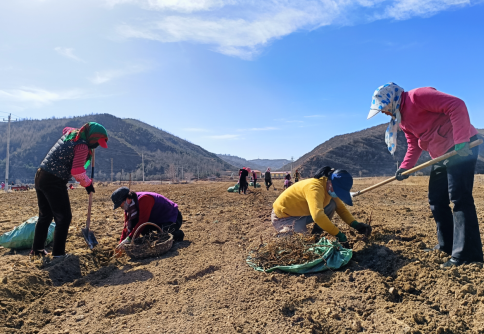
x: 438, y: 123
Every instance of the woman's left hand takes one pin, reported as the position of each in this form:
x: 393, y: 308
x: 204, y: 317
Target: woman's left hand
x: 123, y: 243
x: 463, y: 149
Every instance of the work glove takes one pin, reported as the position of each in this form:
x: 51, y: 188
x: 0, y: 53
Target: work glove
x: 361, y: 228
x: 90, y: 189
x: 399, y: 176
x: 123, y: 243
x: 463, y: 149
x: 341, y: 237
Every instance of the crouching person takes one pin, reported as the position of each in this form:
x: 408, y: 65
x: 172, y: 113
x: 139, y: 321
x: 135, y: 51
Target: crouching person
x: 143, y: 207
x: 316, y: 200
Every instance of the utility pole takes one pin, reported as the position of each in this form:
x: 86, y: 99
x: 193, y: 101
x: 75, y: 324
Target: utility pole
x: 198, y: 174
x: 182, y: 173
x: 7, y: 164
x: 292, y: 160
x: 143, y: 166
x: 112, y: 170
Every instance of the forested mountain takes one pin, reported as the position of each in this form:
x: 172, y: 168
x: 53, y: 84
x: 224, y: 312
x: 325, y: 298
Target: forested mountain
x: 272, y: 163
x: 165, y: 155
x: 260, y: 164
x: 362, y: 153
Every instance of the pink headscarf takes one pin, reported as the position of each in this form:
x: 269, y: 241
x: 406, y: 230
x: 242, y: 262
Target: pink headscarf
x: 268, y: 169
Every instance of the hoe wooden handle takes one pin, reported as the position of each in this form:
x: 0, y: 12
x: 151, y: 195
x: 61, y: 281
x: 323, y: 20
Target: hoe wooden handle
x: 416, y: 169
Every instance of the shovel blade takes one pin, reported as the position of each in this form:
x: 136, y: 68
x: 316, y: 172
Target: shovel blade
x: 89, y: 238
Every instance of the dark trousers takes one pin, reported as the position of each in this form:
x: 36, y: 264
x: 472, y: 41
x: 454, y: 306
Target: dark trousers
x: 268, y: 183
x: 243, y: 187
x: 457, y: 232
x: 255, y: 183
x: 53, y: 201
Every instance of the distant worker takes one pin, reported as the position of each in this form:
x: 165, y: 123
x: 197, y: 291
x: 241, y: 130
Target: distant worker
x: 254, y: 176
x: 3, y: 185
x: 438, y: 123
x: 243, y: 182
x: 268, y: 178
x: 69, y: 157
x: 297, y: 176
x: 143, y: 207
x: 287, y: 181
x: 316, y: 200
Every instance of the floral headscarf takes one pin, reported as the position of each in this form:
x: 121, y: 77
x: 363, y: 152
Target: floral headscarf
x: 388, y: 98
x: 91, y: 132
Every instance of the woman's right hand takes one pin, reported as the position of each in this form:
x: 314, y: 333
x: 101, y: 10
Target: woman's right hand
x: 399, y: 176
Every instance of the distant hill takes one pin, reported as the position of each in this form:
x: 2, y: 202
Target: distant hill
x: 272, y: 163
x: 239, y: 162
x: 362, y: 153
x: 128, y: 139
x: 260, y: 164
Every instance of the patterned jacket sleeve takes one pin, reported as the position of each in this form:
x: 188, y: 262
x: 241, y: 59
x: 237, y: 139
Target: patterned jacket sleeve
x: 78, y: 172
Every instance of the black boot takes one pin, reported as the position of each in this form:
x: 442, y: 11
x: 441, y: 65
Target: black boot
x: 178, y: 236
x: 453, y: 262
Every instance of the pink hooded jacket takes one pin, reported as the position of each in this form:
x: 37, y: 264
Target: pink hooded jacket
x: 433, y: 121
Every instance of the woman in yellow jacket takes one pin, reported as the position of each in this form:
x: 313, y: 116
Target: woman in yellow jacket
x: 316, y: 200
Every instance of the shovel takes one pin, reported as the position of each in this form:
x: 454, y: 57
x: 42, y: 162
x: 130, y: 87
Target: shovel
x: 415, y: 169
x: 89, y: 236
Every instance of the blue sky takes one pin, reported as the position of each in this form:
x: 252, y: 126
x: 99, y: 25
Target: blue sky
x: 257, y: 79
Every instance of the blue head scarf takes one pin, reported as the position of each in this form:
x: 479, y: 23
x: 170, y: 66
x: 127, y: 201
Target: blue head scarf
x: 388, y: 98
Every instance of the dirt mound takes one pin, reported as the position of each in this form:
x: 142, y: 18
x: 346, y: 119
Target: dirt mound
x: 203, y: 284
x: 64, y: 270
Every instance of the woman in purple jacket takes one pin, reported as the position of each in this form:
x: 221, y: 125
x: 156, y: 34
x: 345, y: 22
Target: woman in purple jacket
x: 142, y: 207
x: 438, y: 123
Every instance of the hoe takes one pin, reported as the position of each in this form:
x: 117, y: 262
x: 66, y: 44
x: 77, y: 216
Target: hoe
x: 415, y: 169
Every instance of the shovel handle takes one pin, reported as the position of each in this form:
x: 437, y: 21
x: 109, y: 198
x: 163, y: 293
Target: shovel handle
x: 88, y: 221
x: 417, y: 168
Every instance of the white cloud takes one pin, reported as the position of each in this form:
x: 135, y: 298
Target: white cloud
x: 69, y: 53
x: 195, y: 130
x: 224, y: 137
x: 38, y: 96
x: 108, y: 75
x: 405, y: 9
x: 267, y: 128
x: 242, y: 28
x: 175, y: 5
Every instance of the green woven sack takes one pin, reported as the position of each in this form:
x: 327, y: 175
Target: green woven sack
x: 22, y: 236
x: 233, y: 189
x: 332, y: 256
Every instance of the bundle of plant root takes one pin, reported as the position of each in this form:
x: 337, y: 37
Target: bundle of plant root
x: 152, y: 238
x: 285, y: 251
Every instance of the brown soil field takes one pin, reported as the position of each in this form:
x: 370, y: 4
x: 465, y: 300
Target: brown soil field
x: 203, y: 284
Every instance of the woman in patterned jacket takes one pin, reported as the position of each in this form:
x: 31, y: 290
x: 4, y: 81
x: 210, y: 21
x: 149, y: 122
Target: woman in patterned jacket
x: 69, y: 157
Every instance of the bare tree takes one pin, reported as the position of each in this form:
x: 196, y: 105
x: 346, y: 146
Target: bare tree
x: 188, y: 176
x: 172, y: 172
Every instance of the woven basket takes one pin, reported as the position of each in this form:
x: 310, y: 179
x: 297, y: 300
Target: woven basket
x: 147, y: 249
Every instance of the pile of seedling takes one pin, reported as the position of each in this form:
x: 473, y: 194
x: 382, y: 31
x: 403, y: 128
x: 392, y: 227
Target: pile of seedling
x: 152, y: 238
x: 285, y: 251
